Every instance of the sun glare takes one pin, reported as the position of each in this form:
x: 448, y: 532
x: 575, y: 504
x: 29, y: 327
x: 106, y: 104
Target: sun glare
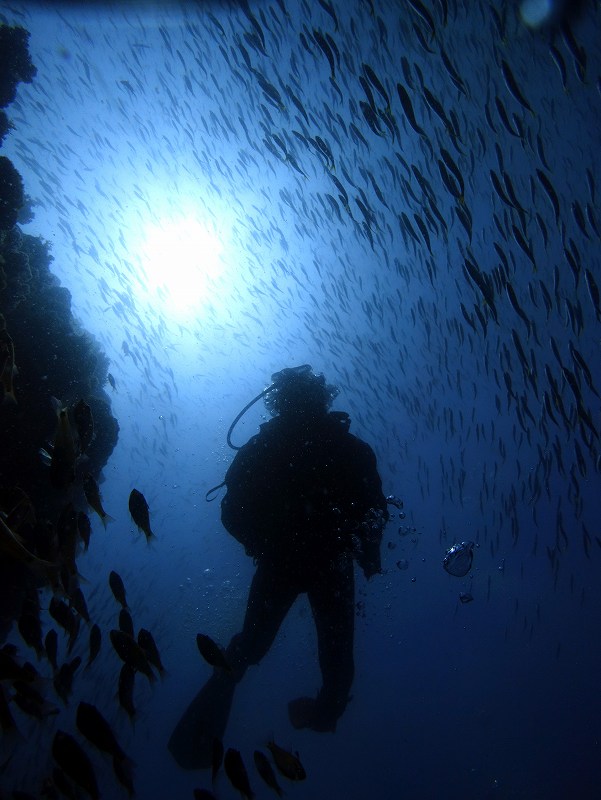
x: 181, y: 259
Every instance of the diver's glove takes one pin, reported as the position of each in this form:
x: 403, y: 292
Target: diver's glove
x: 371, y: 568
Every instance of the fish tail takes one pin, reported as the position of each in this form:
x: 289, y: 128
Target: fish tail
x: 105, y: 518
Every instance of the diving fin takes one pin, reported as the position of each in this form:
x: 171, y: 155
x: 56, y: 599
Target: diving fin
x: 191, y: 743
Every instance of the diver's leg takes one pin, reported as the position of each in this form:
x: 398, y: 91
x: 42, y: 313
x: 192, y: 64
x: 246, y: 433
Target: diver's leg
x: 272, y: 592
x: 332, y: 599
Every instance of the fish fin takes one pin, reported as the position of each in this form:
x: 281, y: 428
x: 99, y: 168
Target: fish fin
x: 56, y: 405
x: 105, y: 519
x: 45, y: 457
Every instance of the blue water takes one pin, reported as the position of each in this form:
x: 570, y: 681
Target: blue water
x: 145, y: 118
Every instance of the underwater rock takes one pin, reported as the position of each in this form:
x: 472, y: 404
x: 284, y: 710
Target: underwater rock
x: 48, y: 355
x: 11, y: 194
x: 15, y: 62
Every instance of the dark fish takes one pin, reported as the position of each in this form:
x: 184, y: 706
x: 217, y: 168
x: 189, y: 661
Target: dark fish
x: 287, y: 763
x: 130, y: 652
x: 236, y: 772
x: 452, y: 166
x: 78, y: 602
x: 84, y: 528
x: 324, y: 46
x: 62, y: 783
x: 513, y: 86
x: 388, y: 119
x: 437, y: 108
x: 370, y: 117
x: 511, y: 193
x: 408, y: 109
x: 498, y: 187
x: 91, y: 724
x: 583, y: 414
x: 555, y: 351
x: 92, y: 494
x: 65, y: 617
x: 525, y: 246
x: 406, y: 67
x: 123, y: 769
x: 516, y: 306
x: 593, y: 291
x: 266, y: 772
x: 583, y: 366
x: 63, y: 680
x: 453, y: 74
x: 424, y: 231
x: 30, y: 628
x: 126, y: 623
x: 211, y: 652
x: 138, y: 508
x: 271, y: 93
x: 74, y: 762
x: 329, y: 8
x: 560, y: 64
x: 483, y: 283
x: 469, y: 319
x: 551, y: 193
x: 424, y: 15
x: 590, y: 215
x: 297, y: 102
x: 578, y: 52
x: 94, y: 643
x: 368, y: 93
x: 127, y: 678
x: 31, y: 702
x: 376, y: 83
x: 111, y: 380
x: 64, y: 451
x: 453, y: 188
x: 504, y: 116
x: 51, y: 647
x: 148, y: 645
x: 117, y: 588
x: 591, y: 184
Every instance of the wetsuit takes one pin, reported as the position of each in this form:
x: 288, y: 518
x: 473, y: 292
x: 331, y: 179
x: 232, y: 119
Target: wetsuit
x: 304, y: 498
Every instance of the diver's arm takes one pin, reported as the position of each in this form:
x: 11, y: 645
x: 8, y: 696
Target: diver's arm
x: 240, y: 514
x: 374, y: 513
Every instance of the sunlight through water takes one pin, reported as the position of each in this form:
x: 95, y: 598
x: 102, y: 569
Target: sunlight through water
x: 180, y: 260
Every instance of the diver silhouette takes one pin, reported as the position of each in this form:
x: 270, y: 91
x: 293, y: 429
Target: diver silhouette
x: 305, y: 499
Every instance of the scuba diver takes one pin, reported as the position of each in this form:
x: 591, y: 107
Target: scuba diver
x: 305, y: 499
